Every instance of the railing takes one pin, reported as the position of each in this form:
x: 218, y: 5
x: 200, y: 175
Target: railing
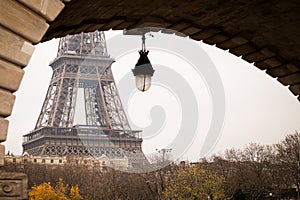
x: 83, y: 132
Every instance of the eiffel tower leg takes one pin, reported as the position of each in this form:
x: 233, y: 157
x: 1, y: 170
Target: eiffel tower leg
x: 100, y: 109
x: 64, y: 112
x: 90, y: 103
x: 47, y: 108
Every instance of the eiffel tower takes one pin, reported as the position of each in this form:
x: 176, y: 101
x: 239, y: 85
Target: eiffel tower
x: 83, y: 62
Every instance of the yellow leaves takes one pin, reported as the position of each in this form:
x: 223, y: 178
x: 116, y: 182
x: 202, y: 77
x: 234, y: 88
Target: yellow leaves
x: 61, y: 191
x: 43, y: 191
x: 74, y: 193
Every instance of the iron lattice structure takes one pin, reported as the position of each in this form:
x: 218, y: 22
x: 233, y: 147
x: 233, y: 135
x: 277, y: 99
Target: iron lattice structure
x: 83, y: 62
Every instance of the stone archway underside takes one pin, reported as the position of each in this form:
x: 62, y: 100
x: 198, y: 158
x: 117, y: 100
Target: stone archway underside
x: 266, y: 33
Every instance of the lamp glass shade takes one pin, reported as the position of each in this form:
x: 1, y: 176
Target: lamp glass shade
x: 143, y: 82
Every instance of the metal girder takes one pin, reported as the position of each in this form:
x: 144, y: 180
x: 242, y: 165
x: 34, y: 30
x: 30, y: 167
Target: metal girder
x: 83, y: 44
x: 83, y: 62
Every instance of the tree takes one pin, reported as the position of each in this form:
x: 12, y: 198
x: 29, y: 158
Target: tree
x: 289, y: 155
x: 192, y: 182
x: 59, y: 192
x: 44, y: 191
x: 237, y: 177
x: 74, y: 193
x: 256, y: 157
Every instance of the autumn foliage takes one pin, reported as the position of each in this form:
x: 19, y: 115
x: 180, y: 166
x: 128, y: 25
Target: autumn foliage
x: 255, y: 172
x: 60, y: 191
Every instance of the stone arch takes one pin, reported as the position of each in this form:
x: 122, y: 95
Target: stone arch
x: 260, y: 32
x: 265, y: 33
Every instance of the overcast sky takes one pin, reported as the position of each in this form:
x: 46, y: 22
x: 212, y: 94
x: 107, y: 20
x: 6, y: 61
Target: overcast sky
x: 258, y: 108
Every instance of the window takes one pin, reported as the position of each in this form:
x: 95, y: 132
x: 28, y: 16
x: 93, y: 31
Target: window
x: 60, y: 161
x: 43, y: 160
x: 14, y: 160
x: 51, y: 161
x: 34, y: 160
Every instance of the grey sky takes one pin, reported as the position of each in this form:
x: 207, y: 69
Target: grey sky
x: 258, y: 108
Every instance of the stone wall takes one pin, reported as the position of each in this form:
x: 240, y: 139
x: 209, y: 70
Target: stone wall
x: 22, y: 24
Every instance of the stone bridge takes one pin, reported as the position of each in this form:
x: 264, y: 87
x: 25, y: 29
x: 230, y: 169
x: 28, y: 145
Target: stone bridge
x: 265, y: 33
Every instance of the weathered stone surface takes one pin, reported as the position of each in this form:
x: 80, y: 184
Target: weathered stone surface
x: 292, y: 79
x: 270, y: 63
x: 216, y: 39
x: 283, y: 70
x: 7, y: 100
x: 124, y: 25
x: 3, y: 129
x: 295, y: 89
x: 13, y: 186
x: 206, y: 33
x: 91, y: 28
x: 178, y: 26
x: 149, y: 22
x: 191, y: 30
x: 49, y: 9
x: 10, y: 75
x: 274, y: 61
x: 22, y: 21
x: 14, y: 48
x: 232, y: 43
x: 112, y: 24
x: 256, y: 56
x: 242, y: 49
x: 2, y: 154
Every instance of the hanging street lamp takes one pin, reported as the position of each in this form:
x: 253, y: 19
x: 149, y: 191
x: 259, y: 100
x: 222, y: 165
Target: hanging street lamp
x: 143, y: 70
